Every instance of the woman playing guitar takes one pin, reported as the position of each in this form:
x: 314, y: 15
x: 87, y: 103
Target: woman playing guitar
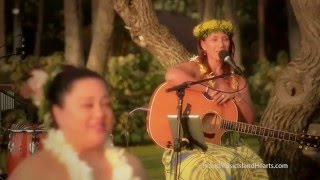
x: 214, y: 37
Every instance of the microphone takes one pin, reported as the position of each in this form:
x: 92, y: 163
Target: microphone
x: 225, y: 56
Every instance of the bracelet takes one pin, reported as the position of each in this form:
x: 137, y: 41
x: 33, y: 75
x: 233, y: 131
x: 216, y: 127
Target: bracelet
x: 237, y: 100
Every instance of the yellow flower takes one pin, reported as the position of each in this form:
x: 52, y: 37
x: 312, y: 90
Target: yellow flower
x: 204, y: 29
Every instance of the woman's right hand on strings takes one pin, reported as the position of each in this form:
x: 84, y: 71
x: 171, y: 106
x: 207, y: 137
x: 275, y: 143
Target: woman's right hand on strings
x: 220, y: 97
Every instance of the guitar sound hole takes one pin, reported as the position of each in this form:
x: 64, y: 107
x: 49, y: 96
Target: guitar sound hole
x: 210, y: 122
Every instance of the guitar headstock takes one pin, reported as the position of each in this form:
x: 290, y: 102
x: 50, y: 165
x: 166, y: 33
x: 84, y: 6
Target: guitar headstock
x: 308, y: 140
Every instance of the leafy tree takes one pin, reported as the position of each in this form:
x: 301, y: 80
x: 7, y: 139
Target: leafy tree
x: 145, y: 30
x: 132, y: 79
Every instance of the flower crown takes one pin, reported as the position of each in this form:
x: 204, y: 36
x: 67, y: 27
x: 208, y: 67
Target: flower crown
x: 204, y: 29
x: 36, y: 88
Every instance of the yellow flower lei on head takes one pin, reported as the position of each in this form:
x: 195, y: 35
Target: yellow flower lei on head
x: 204, y: 29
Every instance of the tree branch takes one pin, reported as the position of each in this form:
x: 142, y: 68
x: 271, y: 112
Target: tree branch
x: 146, y: 31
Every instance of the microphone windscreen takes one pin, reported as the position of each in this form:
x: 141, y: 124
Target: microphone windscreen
x: 223, y: 54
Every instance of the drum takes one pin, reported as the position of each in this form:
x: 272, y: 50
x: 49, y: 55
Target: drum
x: 22, y: 143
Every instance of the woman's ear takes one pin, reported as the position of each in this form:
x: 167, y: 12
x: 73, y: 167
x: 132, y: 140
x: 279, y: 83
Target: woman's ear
x: 56, y: 113
x: 203, y: 45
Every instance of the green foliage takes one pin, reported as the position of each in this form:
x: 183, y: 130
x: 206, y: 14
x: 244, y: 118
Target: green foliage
x: 187, y: 7
x: 132, y: 79
x: 150, y: 156
x: 15, y: 71
x: 262, y: 81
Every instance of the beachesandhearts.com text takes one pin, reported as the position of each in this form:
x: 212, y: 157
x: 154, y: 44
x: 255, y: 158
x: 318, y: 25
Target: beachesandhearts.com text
x: 242, y: 165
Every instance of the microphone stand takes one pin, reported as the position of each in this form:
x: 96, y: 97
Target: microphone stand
x: 180, y: 91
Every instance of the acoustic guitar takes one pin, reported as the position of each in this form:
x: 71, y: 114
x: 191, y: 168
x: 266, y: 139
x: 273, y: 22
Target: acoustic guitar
x: 215, y: 119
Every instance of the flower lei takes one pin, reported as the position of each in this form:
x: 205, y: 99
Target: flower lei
x: 76, y: 168
x: 204, y: 29
x: 79, y: 170
x: 204, y: 71
x: 36, y: 87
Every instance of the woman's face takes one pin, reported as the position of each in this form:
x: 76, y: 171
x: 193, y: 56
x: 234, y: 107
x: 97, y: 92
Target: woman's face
x: 214, y: 43
x: 85, y: 117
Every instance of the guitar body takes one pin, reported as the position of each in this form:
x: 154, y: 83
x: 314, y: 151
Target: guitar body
x: 163, y: 103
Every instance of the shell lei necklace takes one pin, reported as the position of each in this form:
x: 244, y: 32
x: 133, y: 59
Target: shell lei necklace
x: 79, y: 170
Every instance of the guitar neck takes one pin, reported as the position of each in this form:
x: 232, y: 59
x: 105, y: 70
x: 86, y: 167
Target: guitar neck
x: 257, y: 130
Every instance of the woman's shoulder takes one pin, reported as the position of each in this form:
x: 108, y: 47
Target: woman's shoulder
x: 189, y: 66
x: 41, y: 165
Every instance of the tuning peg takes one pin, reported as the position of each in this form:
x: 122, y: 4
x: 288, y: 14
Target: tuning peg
x: 306, y: 148
x: 300, y: 147
x: 315, y: 146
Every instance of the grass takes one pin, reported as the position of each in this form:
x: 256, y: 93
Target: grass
x: 150, y: 156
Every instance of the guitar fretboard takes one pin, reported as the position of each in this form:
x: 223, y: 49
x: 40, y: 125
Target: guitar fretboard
x: 257, y: 130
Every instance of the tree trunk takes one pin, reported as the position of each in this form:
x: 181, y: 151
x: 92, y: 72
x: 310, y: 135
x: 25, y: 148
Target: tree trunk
x: 296, y: 94
x: 294, y: 33
x: 37, y: 49
x: 94, y: 10
x: 17, y: 30
x: 261, y: 22
x: 73, y: 45
x: 208, y: 10
x: 229, y: 9
x: 146, y: 31
x: 101, y: 37
x: 212, y: 9
x: 2, y: 29
x: 200, y: 7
